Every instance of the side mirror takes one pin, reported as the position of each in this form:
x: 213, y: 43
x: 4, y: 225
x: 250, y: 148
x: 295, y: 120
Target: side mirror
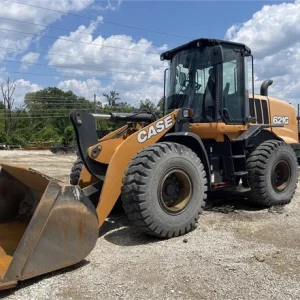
x: 216, y: 55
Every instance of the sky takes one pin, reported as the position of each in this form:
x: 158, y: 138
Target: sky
x: 95, y: 46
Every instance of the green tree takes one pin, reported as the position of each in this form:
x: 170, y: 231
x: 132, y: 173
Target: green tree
x: 51, y: 107
x: 68, y: 136
x: 112, y: 97
x: 160, y: 106
x: 147, y: 105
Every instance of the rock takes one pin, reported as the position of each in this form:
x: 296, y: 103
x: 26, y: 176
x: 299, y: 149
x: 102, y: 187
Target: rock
x: 260, y: 258
x: 185, y: 240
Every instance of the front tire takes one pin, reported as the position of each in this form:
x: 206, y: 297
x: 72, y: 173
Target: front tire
x: 273, y: 174
x: 164, y: 190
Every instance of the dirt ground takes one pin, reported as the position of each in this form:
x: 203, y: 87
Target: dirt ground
x: 236, y: 252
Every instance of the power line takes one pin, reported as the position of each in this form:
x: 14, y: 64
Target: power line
x: 92, y: 19
x: 77, y: 68
x: 73, y: 41
x: 110, y: 37
x: 108, y: 22
x: 99, y: 70
x: 84, y: 57
x: 75, y: 77
x: 68, y: 30
x: 39, y: 114
x: 41, y: 117
x: 125, y: 62
x: 90, y: 102
x: 26, y: 110
x: 102, y: 79
x: 117, y: 61
x: 47, y: 108
x: 54, y: 103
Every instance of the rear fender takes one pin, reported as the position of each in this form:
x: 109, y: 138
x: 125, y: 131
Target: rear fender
x: 123, y: 155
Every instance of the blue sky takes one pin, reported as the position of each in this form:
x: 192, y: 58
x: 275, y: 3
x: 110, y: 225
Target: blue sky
x: 270, y: 27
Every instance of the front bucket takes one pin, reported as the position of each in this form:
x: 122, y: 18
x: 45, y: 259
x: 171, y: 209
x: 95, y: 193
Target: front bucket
x: 45, y: 225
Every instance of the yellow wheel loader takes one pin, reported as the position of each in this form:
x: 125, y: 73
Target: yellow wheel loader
x: 215, y: 135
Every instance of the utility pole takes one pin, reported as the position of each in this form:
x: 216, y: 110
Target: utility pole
x: 95, y: 109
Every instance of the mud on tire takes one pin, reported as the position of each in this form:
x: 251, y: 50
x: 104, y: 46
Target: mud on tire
x: 157, y: 176
x: 273, y: 174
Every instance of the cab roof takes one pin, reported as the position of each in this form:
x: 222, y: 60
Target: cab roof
x: 204, y: 42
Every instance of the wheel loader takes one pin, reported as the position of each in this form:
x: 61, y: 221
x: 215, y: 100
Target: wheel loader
x: 215, y: 135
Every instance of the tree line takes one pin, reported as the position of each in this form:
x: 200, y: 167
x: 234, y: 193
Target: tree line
x: 43, y: 117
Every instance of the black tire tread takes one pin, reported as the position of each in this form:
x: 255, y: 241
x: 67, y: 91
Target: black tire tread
x: 75, y: 171
x: 257, y: 167
x: 135, y: 184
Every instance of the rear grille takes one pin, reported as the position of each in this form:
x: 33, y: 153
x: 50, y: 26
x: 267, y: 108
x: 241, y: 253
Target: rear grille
x: 265, y: 111
x: 259, y: 109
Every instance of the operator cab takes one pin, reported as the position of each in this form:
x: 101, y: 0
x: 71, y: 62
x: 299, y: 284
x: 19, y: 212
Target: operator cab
x: 210, y: 77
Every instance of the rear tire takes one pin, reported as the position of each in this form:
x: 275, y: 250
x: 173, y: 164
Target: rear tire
x: 164, y: 190
x: 273, y: 174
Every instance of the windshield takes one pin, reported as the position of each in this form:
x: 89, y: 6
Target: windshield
x: 191, y: 79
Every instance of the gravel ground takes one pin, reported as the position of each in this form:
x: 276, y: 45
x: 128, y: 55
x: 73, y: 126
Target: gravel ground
x: 236, y: 252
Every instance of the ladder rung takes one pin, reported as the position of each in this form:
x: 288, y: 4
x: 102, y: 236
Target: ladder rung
x: 242, y: 189
x: 239, y: 156
x: 241, y: 173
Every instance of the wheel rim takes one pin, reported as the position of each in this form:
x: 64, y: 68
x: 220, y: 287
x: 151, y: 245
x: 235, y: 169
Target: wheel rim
x: 175, y: 191
x: 281, y: 175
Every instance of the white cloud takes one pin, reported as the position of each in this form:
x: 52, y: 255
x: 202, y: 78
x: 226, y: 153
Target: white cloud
x: 12, y: 39
x: 130, y: 92
x: 110, y: 5
x: 28, y: 59
x: 86, y: 88
x: 22, y: 88
x: 136, y: 73
x: 273, y: 34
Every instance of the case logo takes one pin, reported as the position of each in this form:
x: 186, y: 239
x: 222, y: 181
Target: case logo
x: 281, y: 120
x: 155, y: 129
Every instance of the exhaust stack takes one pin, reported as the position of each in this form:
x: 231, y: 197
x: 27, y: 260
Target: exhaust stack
x: 264, y: 87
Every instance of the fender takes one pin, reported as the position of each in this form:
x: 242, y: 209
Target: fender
x: 194, y: 142
x: 256, y: 134
x: 122, y: 157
